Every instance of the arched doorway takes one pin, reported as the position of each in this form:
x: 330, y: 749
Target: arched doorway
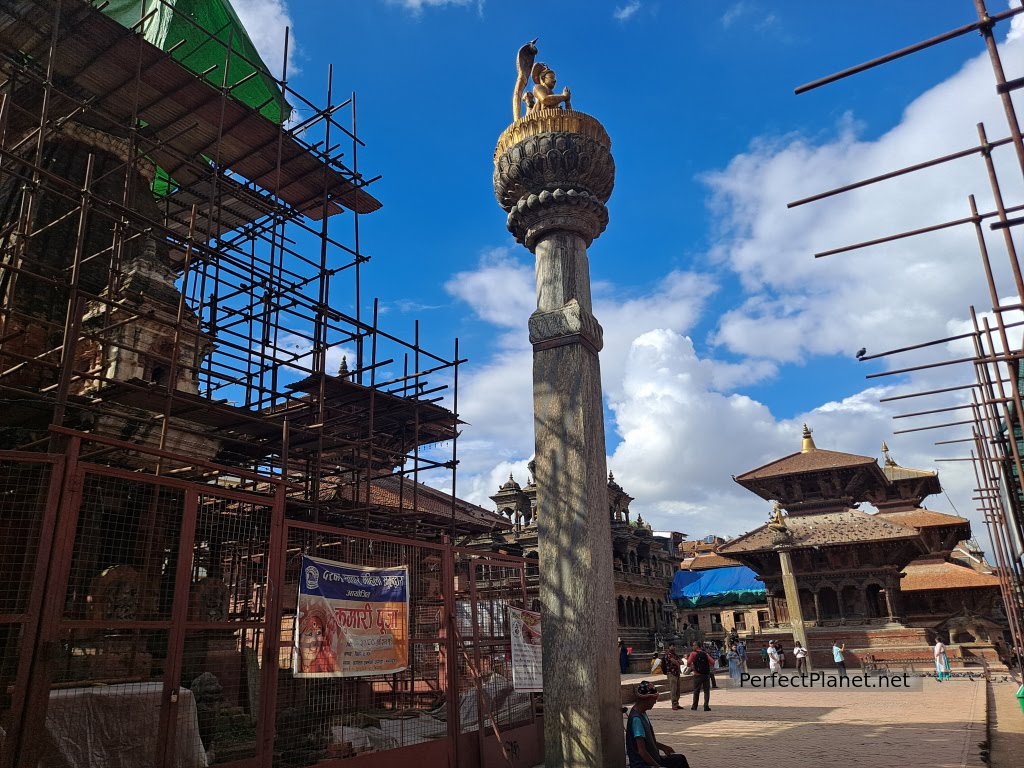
x: 853, y: 601
x: 875, y: 600
x: 829, y: 603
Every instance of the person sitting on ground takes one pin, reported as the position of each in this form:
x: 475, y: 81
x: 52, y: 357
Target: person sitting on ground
x: 643, y: 750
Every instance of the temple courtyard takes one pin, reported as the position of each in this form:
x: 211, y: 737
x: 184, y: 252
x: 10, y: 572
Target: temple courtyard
x: 942, y: 725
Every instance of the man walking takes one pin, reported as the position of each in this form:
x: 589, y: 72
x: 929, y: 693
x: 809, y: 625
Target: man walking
x: 673, y: 667
x: 700, y: 662
x: 838, y: 657
x: 643, y: 750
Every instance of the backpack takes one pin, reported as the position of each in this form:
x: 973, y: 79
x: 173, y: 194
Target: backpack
x: 701, y: 664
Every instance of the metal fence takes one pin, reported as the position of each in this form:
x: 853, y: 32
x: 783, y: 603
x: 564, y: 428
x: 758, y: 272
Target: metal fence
x: 148, y: 621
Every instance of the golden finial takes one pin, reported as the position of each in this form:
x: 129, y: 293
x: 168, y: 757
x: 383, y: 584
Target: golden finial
x: 889, y: 462
x: 808, y: 443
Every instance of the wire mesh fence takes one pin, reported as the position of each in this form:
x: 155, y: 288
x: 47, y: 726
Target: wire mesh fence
x: 170, y: 642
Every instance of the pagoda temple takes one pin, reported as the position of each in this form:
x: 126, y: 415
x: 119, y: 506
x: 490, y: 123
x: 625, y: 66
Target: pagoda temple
x: 885, y: 583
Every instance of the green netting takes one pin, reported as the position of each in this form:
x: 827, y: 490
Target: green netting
x: 208, y: 28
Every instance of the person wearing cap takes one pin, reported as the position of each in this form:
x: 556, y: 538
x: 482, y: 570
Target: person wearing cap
x: 774, y: 661
x: 642, y: 748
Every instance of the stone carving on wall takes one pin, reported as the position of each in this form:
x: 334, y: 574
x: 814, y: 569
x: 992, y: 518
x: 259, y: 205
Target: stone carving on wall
x: 210, y: 601
x: 117, y: 594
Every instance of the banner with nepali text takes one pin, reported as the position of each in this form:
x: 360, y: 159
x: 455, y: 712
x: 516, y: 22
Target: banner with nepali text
x: 350, y: 621
x: 526, y: 653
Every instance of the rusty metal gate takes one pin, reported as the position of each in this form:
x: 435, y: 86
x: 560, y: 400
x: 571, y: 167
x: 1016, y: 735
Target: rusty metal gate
x: 149, y: 621
x: 144, y: 612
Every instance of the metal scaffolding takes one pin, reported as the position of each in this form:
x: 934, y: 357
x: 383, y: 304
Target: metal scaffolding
x: 192, y: 396
x: 212, y: 311
x: 995, y: 399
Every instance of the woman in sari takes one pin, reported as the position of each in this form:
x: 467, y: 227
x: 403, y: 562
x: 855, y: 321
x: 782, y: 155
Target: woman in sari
x: 735, y: 662
x: 941, y: 660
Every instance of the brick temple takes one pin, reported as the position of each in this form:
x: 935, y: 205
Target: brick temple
x: 886, y: 583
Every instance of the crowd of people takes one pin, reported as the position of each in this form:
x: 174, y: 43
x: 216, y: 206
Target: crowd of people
x: 702, y: 661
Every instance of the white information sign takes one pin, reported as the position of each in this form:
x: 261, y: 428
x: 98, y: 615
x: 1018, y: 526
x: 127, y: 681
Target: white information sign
x: 526, y: 653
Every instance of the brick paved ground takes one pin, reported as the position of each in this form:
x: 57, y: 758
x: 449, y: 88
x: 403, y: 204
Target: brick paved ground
x: 1008, y: 726
x: 938, y: 727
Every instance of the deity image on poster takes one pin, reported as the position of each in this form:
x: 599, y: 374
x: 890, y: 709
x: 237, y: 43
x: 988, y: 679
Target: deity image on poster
x: 350, y: 620
x: 318, y: 637
x: 531, y: 628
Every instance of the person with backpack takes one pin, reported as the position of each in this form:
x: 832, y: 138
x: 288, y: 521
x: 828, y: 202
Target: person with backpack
x: 700, y: 662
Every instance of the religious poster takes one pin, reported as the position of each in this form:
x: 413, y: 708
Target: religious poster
x: 350, y: 621
x: 526, y: 655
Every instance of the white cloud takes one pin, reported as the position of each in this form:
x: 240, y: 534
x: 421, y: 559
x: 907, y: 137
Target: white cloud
x: 500, y: 290
x: 625, y: 12
x: 684, y: 428
x: 265, y: 21
x: 417, y: 6
x: 734, y: 12
x: 1016, y: 23
x: 890, y: 295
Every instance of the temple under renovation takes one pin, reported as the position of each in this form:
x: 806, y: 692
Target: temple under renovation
x: 199, y: 421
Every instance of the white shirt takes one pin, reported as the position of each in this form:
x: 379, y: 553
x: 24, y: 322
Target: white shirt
x: 800, y: 653
x: 940, y: 648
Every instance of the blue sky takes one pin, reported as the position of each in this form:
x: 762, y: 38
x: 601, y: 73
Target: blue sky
x: 723, y: 333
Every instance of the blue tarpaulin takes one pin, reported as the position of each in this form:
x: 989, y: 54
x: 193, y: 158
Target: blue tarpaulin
x: 720, y: 586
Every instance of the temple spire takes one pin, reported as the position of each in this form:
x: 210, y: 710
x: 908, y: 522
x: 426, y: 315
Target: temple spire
x: 808, y: 443
x: 889, y: 461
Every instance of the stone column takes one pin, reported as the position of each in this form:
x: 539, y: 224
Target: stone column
x: 553, y: 173
x: 796, y: 610
x: 890, y: 604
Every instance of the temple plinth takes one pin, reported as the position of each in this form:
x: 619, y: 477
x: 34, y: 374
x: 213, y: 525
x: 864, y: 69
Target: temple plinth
x: 553, y: 174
